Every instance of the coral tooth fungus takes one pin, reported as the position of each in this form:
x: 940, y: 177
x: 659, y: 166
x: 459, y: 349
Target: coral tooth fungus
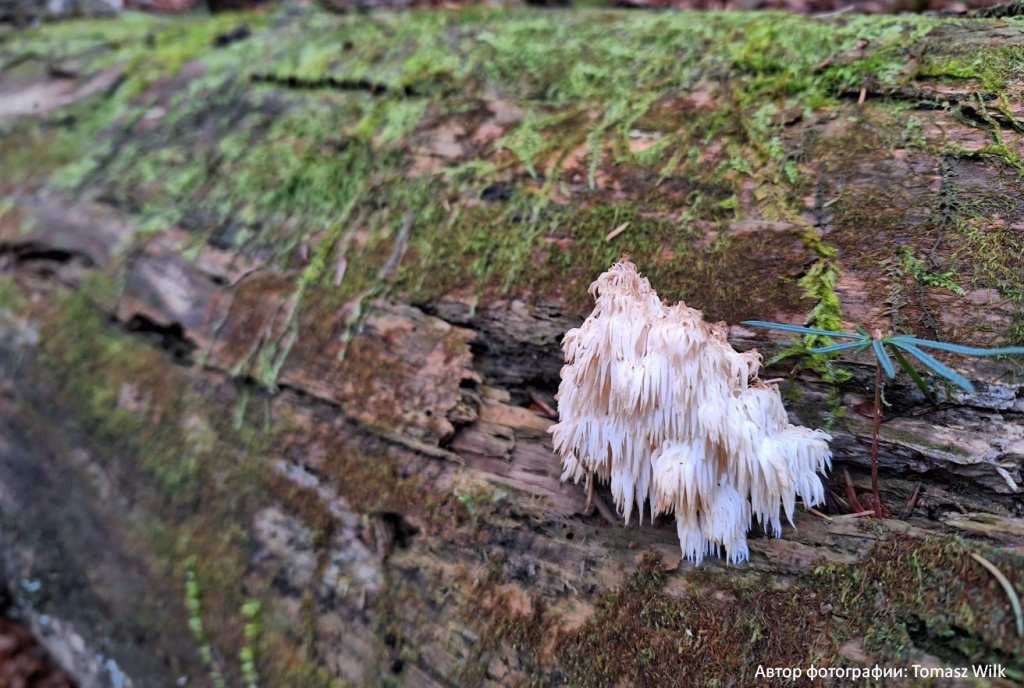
x: 656, y: 401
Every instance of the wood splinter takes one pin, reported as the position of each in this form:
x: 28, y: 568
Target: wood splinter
x: 851, y: 494
x: 908, y: 508
x: 603, y: 509
x: 590, y: 492
x: 594, y: 501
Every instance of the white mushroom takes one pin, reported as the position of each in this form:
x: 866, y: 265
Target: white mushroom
x: 655, y: 401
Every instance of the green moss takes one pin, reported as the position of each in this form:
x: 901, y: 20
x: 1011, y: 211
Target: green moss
x: 30, y: 154
x: 329, y: 172
x: 819, y: 283
x: 11, y: 298
x: 293, y: 170
x: 990, y: 257
x: 993, y: 66
x: 920, y: 272
x: 115, y: 408
x: 320, y: 159
x: 904, y: 596
x: 912, y: 440
x: 196, y: 476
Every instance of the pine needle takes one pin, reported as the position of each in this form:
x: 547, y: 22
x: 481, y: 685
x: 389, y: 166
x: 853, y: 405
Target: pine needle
x: 1010, y: 592
x: 617, y: 231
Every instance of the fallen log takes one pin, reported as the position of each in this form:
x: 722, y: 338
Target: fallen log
x: 281, y: 317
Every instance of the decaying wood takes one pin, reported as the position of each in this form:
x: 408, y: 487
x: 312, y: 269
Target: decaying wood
x: 406, y: 469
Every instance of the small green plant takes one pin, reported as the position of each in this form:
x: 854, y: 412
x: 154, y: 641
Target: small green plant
x: 481, y: 499
x: 251, y: 610
x: 899, y: 346
x: 195, y: 624
x: 918, y: 269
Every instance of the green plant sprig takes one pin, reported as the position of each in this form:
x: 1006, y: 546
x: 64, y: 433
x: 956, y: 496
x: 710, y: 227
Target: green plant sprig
x: 898, y: 345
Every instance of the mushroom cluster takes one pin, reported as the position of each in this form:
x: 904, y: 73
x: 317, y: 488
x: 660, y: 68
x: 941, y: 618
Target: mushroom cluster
x: 655, y: 400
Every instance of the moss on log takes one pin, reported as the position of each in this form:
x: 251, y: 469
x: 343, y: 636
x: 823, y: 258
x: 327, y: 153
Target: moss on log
x: 281, y: 309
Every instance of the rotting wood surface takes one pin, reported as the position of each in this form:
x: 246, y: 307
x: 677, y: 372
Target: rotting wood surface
x: 227, y: 343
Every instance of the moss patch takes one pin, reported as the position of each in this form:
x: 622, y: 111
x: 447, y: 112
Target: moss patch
x: 195, y: 480
x: 281, y: 143
x: 907, y: 596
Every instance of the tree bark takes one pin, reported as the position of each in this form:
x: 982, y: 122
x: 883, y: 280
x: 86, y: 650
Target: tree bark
x: 279, y: 312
